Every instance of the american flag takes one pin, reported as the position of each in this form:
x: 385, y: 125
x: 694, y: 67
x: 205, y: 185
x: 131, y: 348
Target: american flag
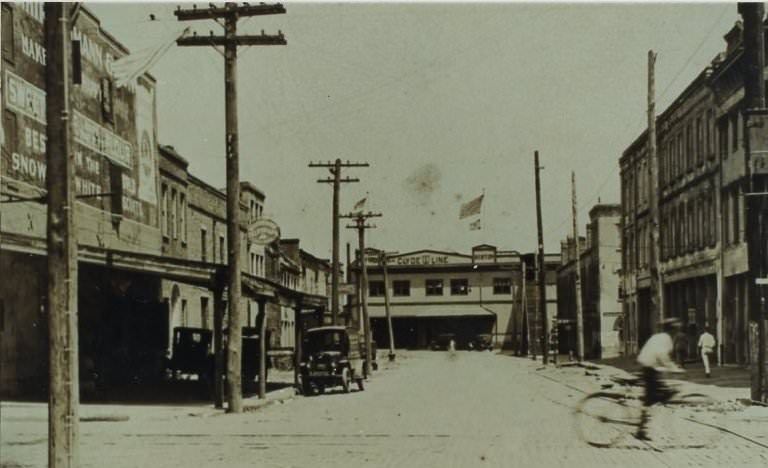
x: 471, y: 208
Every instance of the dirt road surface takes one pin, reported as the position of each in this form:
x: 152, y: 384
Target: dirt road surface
x: 426, y: 410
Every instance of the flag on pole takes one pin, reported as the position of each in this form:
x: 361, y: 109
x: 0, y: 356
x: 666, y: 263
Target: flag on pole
x: 128, y: 68
x: 359, y: 206
x: 471, y: 208
x: 475, y: 225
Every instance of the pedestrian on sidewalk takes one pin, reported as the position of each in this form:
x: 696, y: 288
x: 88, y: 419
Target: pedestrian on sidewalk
x: 706, y: 347
x: 681, y: 347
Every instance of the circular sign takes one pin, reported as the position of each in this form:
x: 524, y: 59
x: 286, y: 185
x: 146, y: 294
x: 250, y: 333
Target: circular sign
x: 263, y: 231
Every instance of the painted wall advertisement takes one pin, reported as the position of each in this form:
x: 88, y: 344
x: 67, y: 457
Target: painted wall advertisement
x: 112, y: 128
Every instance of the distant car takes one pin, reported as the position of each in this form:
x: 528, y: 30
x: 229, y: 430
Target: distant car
x: 442, y: 341
x: 330, y: 357
x: 481, y: 342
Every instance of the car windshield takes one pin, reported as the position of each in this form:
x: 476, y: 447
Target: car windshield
x: 326, y: 341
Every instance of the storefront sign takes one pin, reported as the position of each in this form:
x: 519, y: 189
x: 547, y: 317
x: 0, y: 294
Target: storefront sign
x: 263, y: 231
x: 422, y: 260
x: 101, y: 140
x: 24, y: 97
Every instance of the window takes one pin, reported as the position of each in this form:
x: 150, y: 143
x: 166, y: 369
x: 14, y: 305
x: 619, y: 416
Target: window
x: 107, y: 95
x: 502, y: 285
x: 709, y: 132
x: 222, y: 256
x: 183, y: 217
x: 699, y: 141
x: 401, y: 288
x: 184, y: 311
x: 735, y: 131
x: 174, y: 214
x: 434, y: 287
x: 204, y: 313
x: 7, y: 33
x: 253, y: 264
x: 375, y: 288
x: 722, y: 137
x: 116, y: 188
x: 726, y: 216
x: 689, y: 146
x: 203, y: 244
x: 164, y: 219
x: 736, y: 224
x: 459, y: 287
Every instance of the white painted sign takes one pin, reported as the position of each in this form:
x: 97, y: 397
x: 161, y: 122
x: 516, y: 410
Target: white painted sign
x: 263, y: 231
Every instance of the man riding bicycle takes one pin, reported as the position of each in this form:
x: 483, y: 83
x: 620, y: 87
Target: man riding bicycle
x: 655, y: 357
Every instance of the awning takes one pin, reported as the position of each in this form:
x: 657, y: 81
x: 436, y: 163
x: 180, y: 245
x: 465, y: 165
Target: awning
x: 436, y: 311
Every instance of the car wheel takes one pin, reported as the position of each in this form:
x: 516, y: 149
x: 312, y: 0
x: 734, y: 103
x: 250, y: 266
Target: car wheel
x: 345, y: 379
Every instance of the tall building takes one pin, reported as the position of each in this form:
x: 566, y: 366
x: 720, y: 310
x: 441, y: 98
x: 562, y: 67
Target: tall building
x: 701, y: 183
x: 600, y: 258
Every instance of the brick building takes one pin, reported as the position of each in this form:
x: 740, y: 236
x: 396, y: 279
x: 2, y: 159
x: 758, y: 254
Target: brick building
x: 600, y: 257
x: 151, y: 236
x: 701, y: 179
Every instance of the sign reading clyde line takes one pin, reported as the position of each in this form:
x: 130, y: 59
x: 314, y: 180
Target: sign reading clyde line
x: 263, y: 231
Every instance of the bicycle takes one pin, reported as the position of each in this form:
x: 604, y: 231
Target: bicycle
x: 605, y: 418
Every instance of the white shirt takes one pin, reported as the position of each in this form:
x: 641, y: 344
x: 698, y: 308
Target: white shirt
x: 706, y: 342
x: 656, y: 352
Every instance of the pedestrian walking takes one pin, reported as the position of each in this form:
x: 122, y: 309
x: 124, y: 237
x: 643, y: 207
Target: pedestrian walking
x: 681, y: 347
x: 706, y: 347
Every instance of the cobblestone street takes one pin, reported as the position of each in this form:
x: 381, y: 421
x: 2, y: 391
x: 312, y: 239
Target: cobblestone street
x: 476, y: 409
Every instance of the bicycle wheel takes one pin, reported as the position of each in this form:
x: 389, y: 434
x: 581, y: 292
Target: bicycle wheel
x: 603, y: 419
x: 695, y: 421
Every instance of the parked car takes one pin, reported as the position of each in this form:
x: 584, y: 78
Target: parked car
x: 192, y: 353
x: 442, y: 341
x: 330, y: 357
x: 481, y: 342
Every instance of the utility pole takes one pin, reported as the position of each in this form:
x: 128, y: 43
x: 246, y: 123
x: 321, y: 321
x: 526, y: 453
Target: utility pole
x: 231, y: 13
x: 335, y: 168
x: 64, y: 388
x: 541, y: 267
x: 657, y: 283
x: 577, y: 250
x: 383, y: 262
x: 361, y: 226
x: 756, y: 153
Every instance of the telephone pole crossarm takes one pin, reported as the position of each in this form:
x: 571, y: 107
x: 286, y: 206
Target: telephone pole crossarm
x: 255, y: 40
x: 215, y: 12
x: 331, y: 181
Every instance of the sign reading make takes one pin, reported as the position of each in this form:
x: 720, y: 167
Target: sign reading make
x: 263, y: 231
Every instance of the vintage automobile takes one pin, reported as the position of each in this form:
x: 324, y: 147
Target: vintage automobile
x: 330, y: 357
x: 192, y: 353
x: 442, y: 341
x: 481, y: 342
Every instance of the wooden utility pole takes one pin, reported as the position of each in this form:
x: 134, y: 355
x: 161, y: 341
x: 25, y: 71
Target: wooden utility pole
x: 335, y: 169
x: 577, y: 250
x: 756, y: 147
x: 231, y: 13
x: 361, y: 226
x: 541, y: 267
x: 383, y: 262
x: 64, y: 389
x: 657, y: 284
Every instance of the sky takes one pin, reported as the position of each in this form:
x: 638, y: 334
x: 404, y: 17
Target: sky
x: 445, y: 101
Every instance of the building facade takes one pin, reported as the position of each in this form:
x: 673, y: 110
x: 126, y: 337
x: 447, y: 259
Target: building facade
x: 600, y: 259
x: 482, y: 293
x: 701, y: 183
x: 151, y: 236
